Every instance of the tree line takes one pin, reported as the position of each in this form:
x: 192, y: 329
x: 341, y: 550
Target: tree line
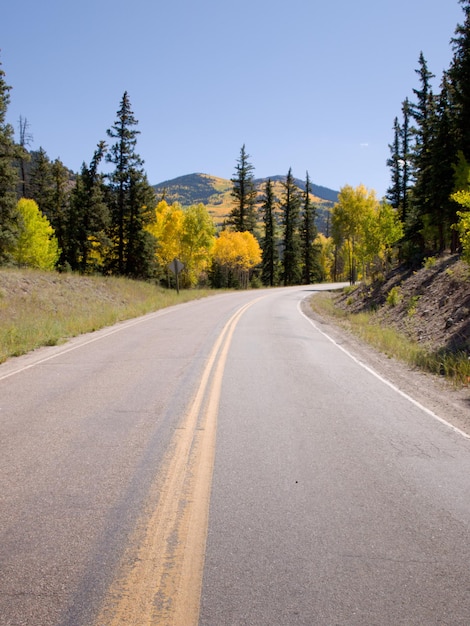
x: 114, y: 224
x: 430, y: 154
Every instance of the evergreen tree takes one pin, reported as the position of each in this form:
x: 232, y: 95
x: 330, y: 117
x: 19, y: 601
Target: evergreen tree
x: 58, y: 211
x: 133, y: 199
x: 395, y: 163
x: 25, y: 140
x: 406, y: 132
x: 270, y: 256
x: 41, y: 181
x: 399, y: 162
x: 9, y: 152
x: 290, y: 208
x: 89, y: 218
x: 423, y: 112
x: 140, y: 248
x: 308, y: 234
x: 443, y: 152
x: 243, y: 217
x: 50, y: 186
x: 459, y: 75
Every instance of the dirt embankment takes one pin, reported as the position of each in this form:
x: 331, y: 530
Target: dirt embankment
x: 431, y: 305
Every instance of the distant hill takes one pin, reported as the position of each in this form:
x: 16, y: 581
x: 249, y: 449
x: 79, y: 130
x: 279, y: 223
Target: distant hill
x: 215, y: 194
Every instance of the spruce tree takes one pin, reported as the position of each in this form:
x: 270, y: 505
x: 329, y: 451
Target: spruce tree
x: 243, y: 217
x: 406, y: 140
x: 290, y: 207
x: 270, y: 255
x: 25, y: 140
x: 132, y: 199
x: 41, y: 180
x: 399, y: 163
x: 308, y: 234
x: 9, y: 152
x: 423, y: 113
x: 443, y: 150
x: 395, y: 163
x: 58, y: 212
x: 89, y: 217
x: 459, y: 75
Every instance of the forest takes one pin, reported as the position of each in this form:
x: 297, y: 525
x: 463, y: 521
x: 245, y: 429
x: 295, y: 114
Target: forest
x: 90, y: 222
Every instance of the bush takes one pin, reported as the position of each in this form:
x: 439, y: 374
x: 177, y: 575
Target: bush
x: 394, y: 296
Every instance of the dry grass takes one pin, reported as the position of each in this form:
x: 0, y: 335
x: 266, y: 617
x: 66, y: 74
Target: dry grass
x: 45, y: 308
x: 453, y: 366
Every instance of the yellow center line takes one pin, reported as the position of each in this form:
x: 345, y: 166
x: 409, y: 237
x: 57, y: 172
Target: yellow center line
x: 161, y: 574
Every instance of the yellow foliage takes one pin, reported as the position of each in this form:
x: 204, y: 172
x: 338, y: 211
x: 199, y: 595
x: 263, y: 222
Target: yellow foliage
x: 184, y: 234
x: 463, y: 225
x: 240, y: 251
x: 325, y: 246
x: 167, y: 228
x: 37, y: 244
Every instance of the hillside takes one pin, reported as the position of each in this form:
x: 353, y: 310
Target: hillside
x: 431, y: 305
x: 215, y: 194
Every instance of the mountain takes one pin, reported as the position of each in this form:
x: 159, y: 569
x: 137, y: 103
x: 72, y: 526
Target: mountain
x: 215, y: 194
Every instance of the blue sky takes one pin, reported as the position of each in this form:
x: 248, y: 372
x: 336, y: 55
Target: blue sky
x: 308, y: 84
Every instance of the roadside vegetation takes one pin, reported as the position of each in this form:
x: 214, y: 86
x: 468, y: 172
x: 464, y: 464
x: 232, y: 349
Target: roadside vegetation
x: 90, y: 232
x: 40, y: 308
x: 421, y: 318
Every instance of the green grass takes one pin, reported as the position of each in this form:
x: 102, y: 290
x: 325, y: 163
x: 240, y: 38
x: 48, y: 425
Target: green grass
x: 44, y: 308
x: 455, y: 367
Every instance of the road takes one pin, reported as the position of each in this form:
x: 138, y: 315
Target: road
x: 224, y: 462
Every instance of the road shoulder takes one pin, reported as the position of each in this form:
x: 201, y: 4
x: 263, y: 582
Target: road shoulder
x: 452, y: 405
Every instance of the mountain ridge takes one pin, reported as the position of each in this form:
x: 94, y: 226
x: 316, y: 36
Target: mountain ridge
x: 216, y: 194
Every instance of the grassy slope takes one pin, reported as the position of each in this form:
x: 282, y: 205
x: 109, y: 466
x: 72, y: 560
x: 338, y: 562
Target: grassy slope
x: 44, y: 308
x: 421, y: 317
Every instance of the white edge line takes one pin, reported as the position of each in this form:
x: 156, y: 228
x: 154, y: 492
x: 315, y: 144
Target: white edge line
x: 97, y: 335
x: 381, y: 378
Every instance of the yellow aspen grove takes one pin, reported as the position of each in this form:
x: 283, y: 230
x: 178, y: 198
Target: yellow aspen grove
x: 364, y: 231
x: 237, y: 253
x: 197, y: 243
x: 186, y: 234
x: 37, y: 244
x: 463, y: 225
x: 326, y: 256
x: 167, y: 228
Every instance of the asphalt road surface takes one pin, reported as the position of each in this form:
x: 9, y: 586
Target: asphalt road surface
x: 224, y: 462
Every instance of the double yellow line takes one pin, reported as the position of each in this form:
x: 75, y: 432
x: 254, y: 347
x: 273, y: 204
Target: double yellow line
x: 161, y: 575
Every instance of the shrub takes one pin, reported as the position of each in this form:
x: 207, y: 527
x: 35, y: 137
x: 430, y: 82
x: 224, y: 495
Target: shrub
x: 394, y: 296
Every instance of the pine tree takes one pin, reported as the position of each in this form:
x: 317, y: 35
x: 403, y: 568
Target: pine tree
x: 58, y: 212
x: 243, y: 217
x: 423, y: 112
x: 399, y: 163
x: 133, y: 199
x: 41, y: 180
x: 308, y: 234
x: 89, y: 217
x: 395, y: 163
x: 406, y: 133
x: 9, y: 152
x: 443, y: 150
x: 459, y: 75
x: 270, y: 255
x: 25, y: 140
x: 290, y: 208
